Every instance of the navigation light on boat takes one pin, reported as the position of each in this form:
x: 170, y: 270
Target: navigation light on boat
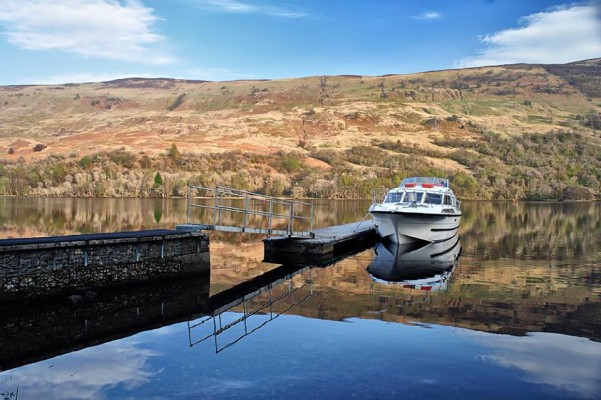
x: 411, y: 184
x: 428, y: 185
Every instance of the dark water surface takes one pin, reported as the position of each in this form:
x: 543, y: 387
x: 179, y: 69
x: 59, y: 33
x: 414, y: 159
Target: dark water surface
x: 517, y: 316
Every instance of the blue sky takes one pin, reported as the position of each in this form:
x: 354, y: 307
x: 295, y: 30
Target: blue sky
x: 62, y: 41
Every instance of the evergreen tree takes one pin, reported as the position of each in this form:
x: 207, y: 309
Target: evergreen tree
x: 158, y: 179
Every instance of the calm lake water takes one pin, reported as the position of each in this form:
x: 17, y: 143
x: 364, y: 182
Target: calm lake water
x: 517, y: 316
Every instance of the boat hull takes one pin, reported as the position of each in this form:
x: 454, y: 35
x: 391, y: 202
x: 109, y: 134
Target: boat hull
x: 405, y: 227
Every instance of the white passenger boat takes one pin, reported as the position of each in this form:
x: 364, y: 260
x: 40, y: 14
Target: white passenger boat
x: 421, y: 209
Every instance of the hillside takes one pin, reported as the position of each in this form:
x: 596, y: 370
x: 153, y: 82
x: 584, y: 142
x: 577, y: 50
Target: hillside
x: 504, y: 132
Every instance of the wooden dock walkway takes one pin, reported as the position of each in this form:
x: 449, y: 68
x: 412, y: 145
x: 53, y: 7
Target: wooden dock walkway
x: 323, y: 244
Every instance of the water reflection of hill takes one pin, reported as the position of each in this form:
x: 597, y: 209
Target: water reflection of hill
x: 473, y: 296
x: 492, y: 230
x: 556, y: 231
x: 344, y: 290
x: 521, y: 271
x: 29, y: 217
x: 524, y: 267
x: 493, y: 297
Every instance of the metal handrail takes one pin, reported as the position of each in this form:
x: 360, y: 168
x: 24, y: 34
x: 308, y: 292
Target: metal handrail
x: 250, y: 212
x: 219, y: 193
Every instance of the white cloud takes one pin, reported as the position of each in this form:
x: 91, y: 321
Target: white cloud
x: 428, y: 16
x: 110, y: 29
x: 239, y: 7
x: 564, y: 362
x: 85, y: 374
x: 560, y: 35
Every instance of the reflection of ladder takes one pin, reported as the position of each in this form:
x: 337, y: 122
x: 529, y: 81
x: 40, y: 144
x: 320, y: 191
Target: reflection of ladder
x: 258, y: 214
x: 263, y: 312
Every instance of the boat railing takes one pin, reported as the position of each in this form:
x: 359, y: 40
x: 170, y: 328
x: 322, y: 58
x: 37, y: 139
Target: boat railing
x: 378, y: 195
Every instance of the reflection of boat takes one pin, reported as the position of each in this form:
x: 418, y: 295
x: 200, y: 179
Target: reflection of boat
x: 427, y: 267
x: 421, y: 209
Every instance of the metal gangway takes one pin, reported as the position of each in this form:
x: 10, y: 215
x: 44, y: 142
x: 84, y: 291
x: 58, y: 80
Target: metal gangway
x: 236, y: 210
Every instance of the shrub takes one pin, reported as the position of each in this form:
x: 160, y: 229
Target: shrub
x: 593, y: 120
x: 145, y: 162
x: 173, y: 152
x: 84, y: 161
x: 122, y: 157
x: 291, y: 163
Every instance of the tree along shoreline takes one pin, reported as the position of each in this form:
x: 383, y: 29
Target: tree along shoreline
x: 554, y: 166
x: 551, y: 201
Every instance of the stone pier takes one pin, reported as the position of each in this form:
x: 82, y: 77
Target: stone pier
x: 35, y: 267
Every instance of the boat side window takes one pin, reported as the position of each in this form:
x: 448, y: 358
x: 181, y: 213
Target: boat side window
x: 433, y: 198
x: 411, y: 197
x: 393, y: 197
x: 448, y: 201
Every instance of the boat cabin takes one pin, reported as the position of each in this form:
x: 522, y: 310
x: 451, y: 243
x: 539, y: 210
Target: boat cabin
x: 422, y: 190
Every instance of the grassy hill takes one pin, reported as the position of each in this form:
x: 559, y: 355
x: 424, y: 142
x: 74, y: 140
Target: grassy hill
x: 502, y: 132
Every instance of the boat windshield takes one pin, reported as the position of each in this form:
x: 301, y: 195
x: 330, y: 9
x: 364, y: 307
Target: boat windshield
x: 393, y: 197
x: 433, y: 198
x: 413, y: 197
x: 405, y: 197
